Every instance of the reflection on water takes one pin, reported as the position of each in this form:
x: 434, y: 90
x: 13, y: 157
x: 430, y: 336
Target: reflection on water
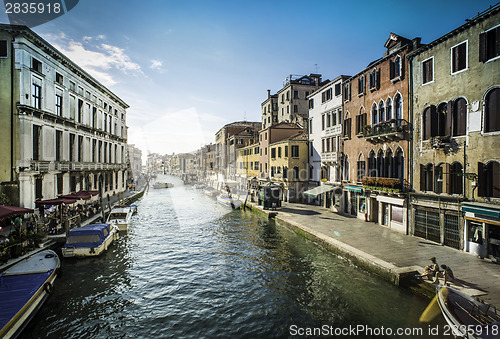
x: 190, y: 268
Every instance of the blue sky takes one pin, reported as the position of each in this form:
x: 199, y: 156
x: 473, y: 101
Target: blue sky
x: 187, y: 68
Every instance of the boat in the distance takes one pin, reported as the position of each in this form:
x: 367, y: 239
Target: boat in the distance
x: 468, y: 317
x: 120, y: 216
x: 227, y: 201
x: 162, y: 185
x: 24, y: 288
x: 210, y: 191
x: 90, y: 240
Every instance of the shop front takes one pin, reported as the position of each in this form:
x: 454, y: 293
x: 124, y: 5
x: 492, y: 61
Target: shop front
x: 482, y: 230
x: 392, y: 213
x: 354, y: 202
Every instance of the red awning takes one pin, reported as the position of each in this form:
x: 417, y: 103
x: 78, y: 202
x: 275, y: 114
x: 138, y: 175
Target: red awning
x: 55, y: 201
x: 78, y: 195
x: 7, y: 211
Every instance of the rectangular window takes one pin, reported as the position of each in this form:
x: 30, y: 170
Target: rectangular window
x: 295, y: 151
x: 58, y: 145
x: 72, y: 86
x: 361, y: 84
x: 273, y: 152
x: 295, y: 108
x: 37, y: 96
x: 295, y: 94
x: 489, y: 44
x: 59, y: 104
x: 36, y: 65
x: 310, y: 126
x: 279, y: 152
x: 59, y: 78
x: 337, y: 89
x: 427, y: 71
x: 459, y: 57
x: 3, y: 49
x: 286, y: 151
x: 36, y: 142
x: 323, y: 122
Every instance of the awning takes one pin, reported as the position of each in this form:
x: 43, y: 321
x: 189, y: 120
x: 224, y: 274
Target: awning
x: 489, y: 212
x: 319, y: 190
x: 354, y: 189
x: 7, y: 211
x: 55, y: 202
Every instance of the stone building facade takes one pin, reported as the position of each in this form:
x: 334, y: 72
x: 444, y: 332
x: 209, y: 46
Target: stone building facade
x: 60, y: 129
x: 376, y: 137
x: 456, y: 148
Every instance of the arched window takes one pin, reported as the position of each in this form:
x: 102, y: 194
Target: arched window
x: 380, y: 164
x: 399, y: 164
x: 372, y: 165
x: 489, y: 179
x: 389, y: 164
x: 456, y: 178
x: 438, y: 179
x: 374, y: 114
x: 459, y: 116
x: 492, y: 111
x: 399, y: 108
x: 381, y: 111
x: 346, y: 168
x: 388, y: 109
x: 361, y: 167
x: 397, y: 66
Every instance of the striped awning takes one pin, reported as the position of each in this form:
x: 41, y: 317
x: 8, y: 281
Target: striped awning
x: 319, y: 190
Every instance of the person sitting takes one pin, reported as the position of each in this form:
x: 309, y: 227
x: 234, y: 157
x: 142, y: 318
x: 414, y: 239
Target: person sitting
x: 446, y: 273
x: 431, y: 270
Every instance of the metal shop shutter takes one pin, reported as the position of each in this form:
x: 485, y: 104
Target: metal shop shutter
x: 451, y: 235
x: 427, y: 225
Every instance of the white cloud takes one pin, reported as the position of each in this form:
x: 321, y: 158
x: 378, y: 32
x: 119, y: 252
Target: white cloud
x: 156, y: 64
x: 100, y: 61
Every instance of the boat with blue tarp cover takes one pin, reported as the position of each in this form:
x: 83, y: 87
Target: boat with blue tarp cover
x: 24, y: 288
x: 90, y: 240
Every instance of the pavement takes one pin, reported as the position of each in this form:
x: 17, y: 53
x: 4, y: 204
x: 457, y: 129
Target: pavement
x: 389, y: 253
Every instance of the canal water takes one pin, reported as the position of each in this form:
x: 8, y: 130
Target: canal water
x: 188, y: 268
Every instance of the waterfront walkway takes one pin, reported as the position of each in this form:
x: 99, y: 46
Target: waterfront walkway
x: 389, y: 253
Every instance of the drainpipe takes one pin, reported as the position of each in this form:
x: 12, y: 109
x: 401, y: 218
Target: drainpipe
x: 410, y: 148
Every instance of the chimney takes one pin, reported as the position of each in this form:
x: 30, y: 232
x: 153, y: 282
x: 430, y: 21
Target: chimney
x: 268, y: 93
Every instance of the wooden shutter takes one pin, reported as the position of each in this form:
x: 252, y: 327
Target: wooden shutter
x: 434, y: 121
x: 481, y: 180
x: 378, y: 79
x: 422, y: 178
x: 492, y: 119
x: 391, y: 67
x: 461, y: 117
x: 426, y: 132
x: 349, y: 128
x: 448, y: 127
x: 482, y: 47
x: 447, y: 176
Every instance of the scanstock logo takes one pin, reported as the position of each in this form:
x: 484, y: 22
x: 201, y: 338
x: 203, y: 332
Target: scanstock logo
x: 32, y: 13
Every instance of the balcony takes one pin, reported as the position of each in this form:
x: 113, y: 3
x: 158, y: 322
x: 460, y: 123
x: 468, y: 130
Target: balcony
x: 41, y: 166
x: 388, y: 185
x: 329, y: 157
x: 391, y: 130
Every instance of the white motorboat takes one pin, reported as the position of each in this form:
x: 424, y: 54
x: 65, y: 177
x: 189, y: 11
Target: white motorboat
x: 227, y: 201
x: 120, y: 216
x: 90, y: 240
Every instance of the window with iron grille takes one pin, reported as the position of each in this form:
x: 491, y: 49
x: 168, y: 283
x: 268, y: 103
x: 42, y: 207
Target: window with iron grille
x: 451, y: 231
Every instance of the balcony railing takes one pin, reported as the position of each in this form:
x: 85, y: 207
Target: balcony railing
x: 389, y: 185
x: 390, y: 130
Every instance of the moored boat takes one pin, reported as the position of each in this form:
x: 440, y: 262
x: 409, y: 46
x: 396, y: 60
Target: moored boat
x: 120, y: 217
x: 162, y: 185
x: 468, y: 317
x: 90, y: 240
x: 228, y: 201
x: 24, y: 288
x: 210, y: 191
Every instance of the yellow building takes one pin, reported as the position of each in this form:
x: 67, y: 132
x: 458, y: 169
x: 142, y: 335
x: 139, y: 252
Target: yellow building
x: 288, y: 160
x: 248, y: 161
